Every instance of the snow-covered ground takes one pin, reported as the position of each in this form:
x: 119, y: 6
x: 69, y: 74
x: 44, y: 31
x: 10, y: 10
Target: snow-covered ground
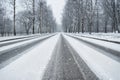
x: 22, y: 36
x: 106, y: 36
x: 12, y: 37
x: 22, y: 43
x: 105, y: 67
x: 32, y: 64
x: 104, y: 44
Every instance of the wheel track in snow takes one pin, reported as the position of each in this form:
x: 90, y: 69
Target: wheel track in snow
x: 65, y: 64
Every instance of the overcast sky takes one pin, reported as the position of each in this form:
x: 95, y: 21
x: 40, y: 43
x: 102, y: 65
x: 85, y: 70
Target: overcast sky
x: 57, y: 7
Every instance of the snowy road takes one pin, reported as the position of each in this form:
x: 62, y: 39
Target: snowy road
x: 107, y: 48
x: 16, y: 40
x: 105, y: 67
x: 31, y: 65
x: 64, y: 65
x: 16, y: 49
x: 62, y: 57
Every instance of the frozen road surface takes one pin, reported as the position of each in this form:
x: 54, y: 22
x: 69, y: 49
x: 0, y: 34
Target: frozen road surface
x: 60, y: 57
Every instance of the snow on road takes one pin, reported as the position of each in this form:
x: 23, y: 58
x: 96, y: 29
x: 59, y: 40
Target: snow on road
x: 14, y: 37
x: 106, y: 36
x: 32, y: 64
x: 10, y: 37
x: 105, y: 67
x: 21, y: 43
x: 109, y: 45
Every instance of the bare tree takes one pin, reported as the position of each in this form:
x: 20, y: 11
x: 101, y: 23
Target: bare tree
x: 13, y: 3
x: 14, y: 16
x: 2, y: 19
x: 40, y: 15
x: 25, y: 20
x: 110, y: 8
x: 33, y: 16
x: 97, y: 15
x: 45, y: 18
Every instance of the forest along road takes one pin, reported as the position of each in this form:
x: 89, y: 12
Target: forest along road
x: 64, y: 65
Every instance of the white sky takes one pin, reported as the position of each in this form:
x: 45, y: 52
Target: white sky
x: 57, y: 8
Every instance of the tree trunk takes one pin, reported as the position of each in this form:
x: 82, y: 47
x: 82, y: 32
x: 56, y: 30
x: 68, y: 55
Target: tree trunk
x: 82, y: 25
x: 106, y: 23
x: 14, y: 17
x: 33, y: 16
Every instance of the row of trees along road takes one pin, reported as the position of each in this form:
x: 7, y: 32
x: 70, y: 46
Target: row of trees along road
x: 91, y: 16
x: 36, y: 17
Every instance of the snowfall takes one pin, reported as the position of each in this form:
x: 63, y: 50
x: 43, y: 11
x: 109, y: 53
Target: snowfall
x: 32, y: 64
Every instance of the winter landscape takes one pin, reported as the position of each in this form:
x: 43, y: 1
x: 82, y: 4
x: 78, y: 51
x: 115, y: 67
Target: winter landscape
x: 59, y: 39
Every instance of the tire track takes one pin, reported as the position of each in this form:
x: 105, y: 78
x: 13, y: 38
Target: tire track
x: 64, y: 66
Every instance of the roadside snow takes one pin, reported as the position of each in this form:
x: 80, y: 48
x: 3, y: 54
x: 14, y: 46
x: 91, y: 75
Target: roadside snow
x: 103, y: 66
x: 105, y: 44
x: 106, y: 36
x: 14, y: 37
x: 21, y: 43
x: 32, y: 64
x: 10, y: 37
x: 20, y: 36
x: 17, y: 40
